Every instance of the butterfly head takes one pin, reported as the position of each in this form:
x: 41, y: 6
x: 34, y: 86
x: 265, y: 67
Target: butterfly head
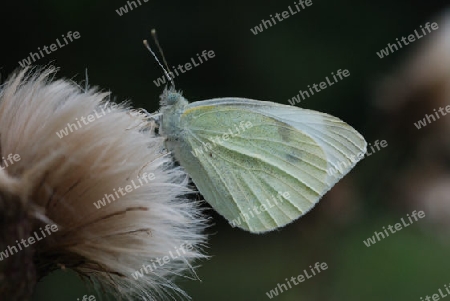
x: 170, y: 97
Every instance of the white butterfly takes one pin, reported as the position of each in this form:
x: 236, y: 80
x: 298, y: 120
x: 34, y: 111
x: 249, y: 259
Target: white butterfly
x: 259, y: 164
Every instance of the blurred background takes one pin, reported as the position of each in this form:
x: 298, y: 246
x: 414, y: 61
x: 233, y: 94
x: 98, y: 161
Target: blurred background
x: 382, y: 98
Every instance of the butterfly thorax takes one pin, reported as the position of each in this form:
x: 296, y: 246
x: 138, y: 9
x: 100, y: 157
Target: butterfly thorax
x: 173, y: 106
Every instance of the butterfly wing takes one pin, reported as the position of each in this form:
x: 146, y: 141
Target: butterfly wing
x: 262, y: 165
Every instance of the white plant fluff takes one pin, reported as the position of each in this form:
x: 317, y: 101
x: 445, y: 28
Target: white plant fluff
x: 65, y: 180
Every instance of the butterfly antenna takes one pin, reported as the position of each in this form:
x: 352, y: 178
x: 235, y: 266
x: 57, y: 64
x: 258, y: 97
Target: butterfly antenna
x: 155, y: 38
x: 166, y: 73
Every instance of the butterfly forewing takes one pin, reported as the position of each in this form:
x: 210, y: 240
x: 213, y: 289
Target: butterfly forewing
x: 259, y: 164
x: 252, y: 160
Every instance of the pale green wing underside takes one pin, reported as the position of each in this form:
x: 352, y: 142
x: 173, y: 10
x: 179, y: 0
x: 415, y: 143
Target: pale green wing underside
x: 264, y: 176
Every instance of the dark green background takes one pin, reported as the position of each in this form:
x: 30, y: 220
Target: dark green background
x: 271, y: 66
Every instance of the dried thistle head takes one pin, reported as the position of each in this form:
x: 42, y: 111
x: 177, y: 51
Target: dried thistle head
x: 98, y: 171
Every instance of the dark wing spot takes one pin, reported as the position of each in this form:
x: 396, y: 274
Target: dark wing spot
x: 292, y: 159
x: 285, y: 133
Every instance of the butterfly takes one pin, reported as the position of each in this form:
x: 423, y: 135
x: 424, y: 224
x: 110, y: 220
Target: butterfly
x: 259, y: 164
